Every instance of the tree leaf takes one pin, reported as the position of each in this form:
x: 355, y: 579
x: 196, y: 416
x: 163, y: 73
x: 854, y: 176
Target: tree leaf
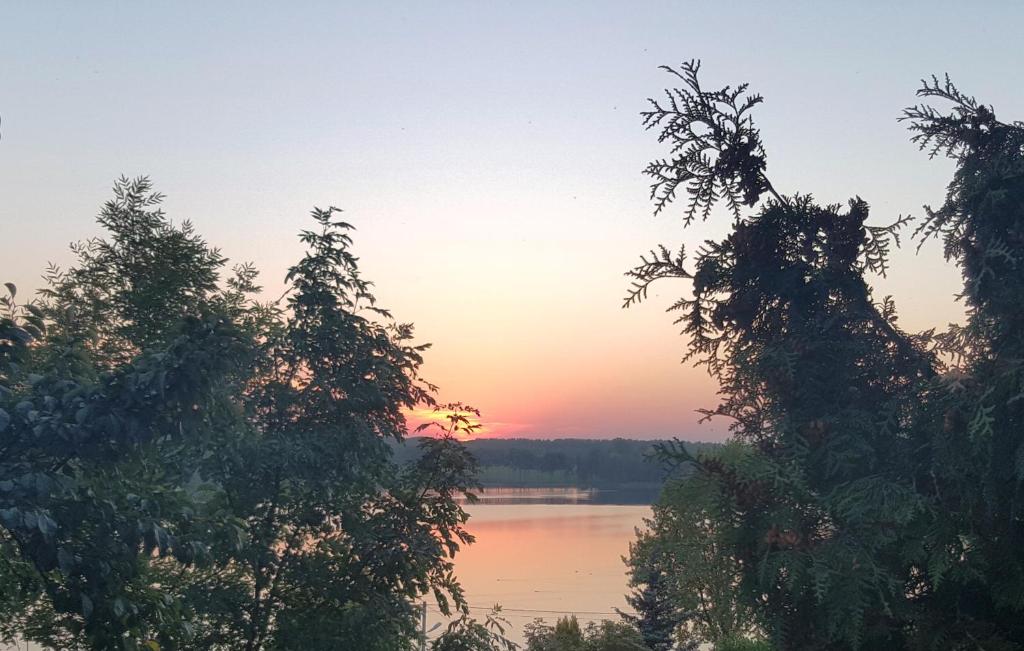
x: 46, y: 525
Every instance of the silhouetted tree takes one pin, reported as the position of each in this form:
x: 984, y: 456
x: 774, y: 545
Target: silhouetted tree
x: 875, y: 501
x: 973, y: 586
x: 130, y: 360
x: 657, y: 615
x: 185, y: 467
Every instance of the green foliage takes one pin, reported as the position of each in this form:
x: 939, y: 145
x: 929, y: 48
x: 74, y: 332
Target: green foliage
x: 974, y: 583
x: 334, y: 540
x: 612, y: 636
x: 872, y: 496
x: 101, y: 406
x: 658, y: 614
x: 740, y: 643
x: 469, y: 634
x: 685, y: 579
x: 567, y: 635
x: 186, y: 467
x: 716, y: 150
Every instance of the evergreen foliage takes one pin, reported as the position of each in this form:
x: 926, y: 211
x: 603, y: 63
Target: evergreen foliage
x: 658, y: 614
x: 871, y: 498
x: 975, y: 579
x: 716, y: 150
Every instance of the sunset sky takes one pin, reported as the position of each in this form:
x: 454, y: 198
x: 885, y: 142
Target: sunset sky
x: 489, y: 155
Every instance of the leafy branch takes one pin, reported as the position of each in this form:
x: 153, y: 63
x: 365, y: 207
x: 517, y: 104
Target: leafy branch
x: 936, y: 132
x: 658, y: 264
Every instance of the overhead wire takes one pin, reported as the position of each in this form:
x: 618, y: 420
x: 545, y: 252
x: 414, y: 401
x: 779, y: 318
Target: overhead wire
x: 538, y: 610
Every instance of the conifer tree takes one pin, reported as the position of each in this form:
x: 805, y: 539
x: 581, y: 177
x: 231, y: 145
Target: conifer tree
x: 873, y: 492
x: 819, y: 382
x: 657, y: 616
x: 973, y: 587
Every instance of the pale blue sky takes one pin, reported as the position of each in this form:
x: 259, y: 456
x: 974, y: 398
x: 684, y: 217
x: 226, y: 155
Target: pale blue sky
x: 490, y: 154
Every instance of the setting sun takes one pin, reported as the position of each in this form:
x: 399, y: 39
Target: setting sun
x: 435, y: 422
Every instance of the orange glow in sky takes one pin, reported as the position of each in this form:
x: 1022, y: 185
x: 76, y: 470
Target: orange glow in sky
x: 490, y: 156
x: 438, y: 421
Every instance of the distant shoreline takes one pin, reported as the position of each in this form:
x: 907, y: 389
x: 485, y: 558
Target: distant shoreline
x: 554, y: 495
x: 625, y: 465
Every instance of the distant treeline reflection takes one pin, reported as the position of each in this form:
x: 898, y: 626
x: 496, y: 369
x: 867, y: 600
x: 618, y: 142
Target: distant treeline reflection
x: 631, y: 495
x: 609, y: 464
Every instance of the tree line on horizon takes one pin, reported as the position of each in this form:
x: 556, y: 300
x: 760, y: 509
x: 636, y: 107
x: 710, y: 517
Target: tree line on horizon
x: 611, y: 464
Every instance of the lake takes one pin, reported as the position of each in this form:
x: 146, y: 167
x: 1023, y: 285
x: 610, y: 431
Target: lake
x: 549, y: 552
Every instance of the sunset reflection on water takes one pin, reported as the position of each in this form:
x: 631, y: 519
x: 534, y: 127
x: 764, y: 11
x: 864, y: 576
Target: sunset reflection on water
x: 563, y: 557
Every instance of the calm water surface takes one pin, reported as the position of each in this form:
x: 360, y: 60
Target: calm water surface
x: 549, y: 550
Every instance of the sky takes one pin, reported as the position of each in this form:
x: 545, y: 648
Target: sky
x: 490, y: 156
